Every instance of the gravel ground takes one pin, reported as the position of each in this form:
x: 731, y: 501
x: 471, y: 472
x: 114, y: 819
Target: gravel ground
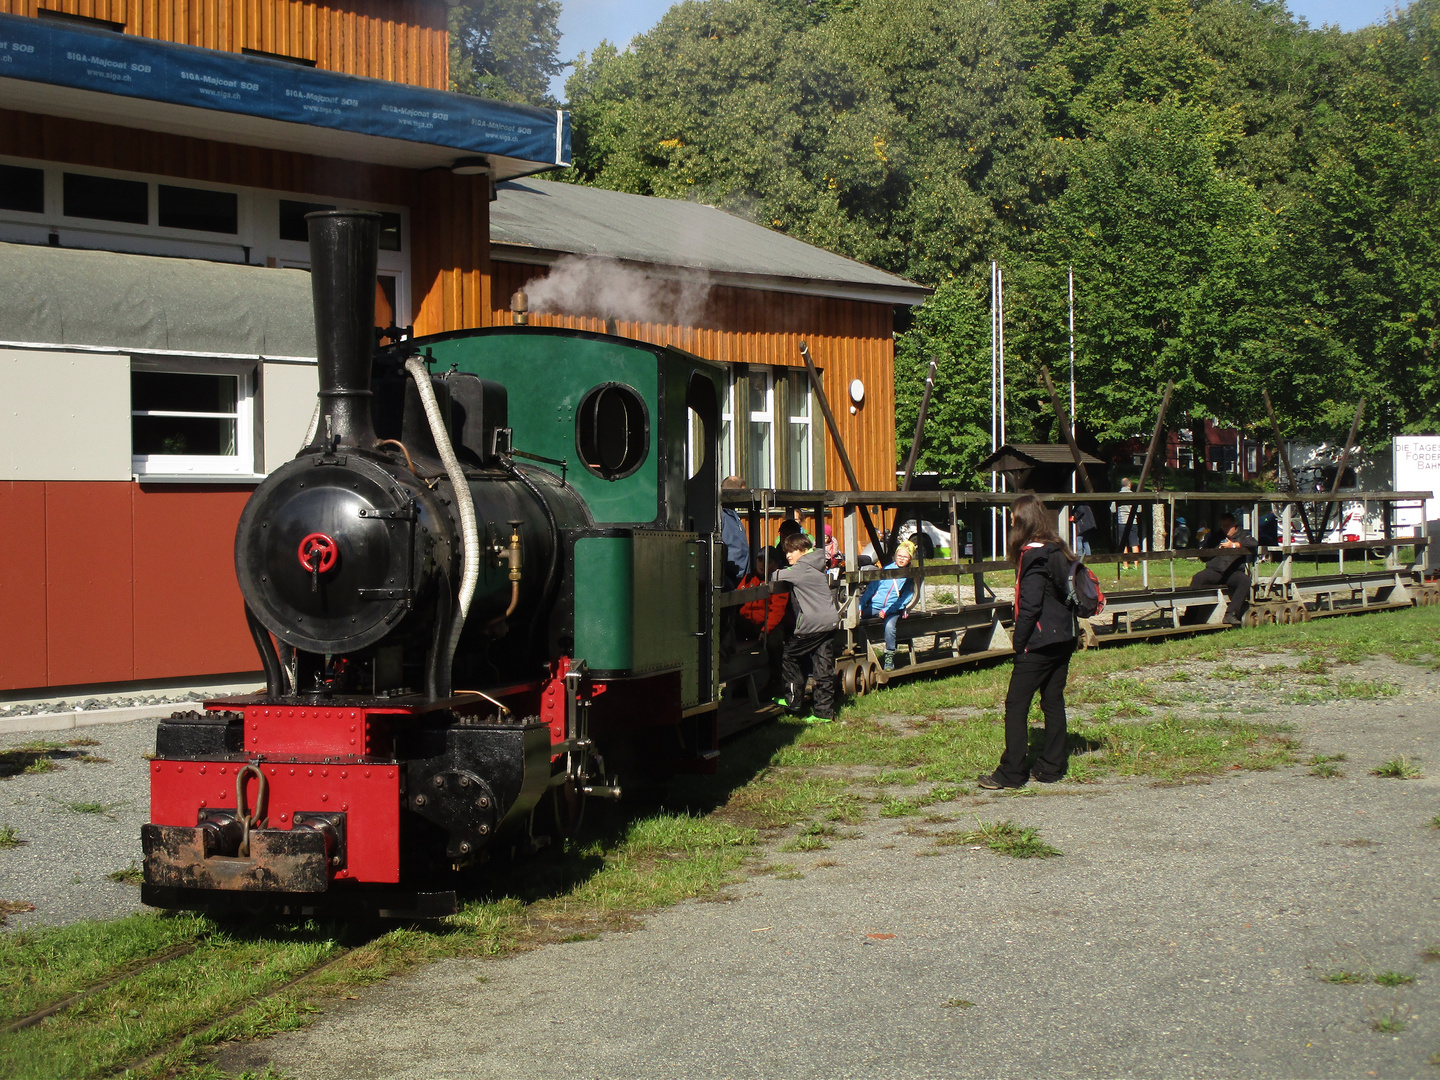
x: 62, y: 865
x: 1184, y: 933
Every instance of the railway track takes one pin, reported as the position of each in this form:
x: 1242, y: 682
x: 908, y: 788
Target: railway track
x: 157, y: 1051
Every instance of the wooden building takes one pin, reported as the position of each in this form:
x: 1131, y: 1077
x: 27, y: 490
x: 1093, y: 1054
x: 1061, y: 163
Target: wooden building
x: 157, y: 158
x: 728, y: 290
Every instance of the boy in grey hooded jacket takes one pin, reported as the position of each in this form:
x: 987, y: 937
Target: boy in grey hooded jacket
x: 816, y: 617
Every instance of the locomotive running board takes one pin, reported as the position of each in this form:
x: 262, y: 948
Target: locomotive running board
x: 280, y: 860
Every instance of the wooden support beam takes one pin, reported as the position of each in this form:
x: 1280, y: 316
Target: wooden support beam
x: 919, y: 426
x: 1064, y: 419
x: 840, y: 447
x: 1285, y: 461
x: 1340, y: 468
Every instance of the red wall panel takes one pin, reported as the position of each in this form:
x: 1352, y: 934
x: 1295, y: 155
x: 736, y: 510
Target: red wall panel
x: 22, y: 584
x: 89, y: 617
x: 189, y: 617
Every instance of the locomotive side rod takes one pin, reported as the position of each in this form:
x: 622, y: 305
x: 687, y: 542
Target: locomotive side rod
x: 840, y: 447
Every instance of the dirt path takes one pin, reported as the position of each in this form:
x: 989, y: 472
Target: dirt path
x: 1186, y: 931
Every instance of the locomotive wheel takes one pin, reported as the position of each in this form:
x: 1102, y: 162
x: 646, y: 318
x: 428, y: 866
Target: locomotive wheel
x: 847, y: 679
x: 569, y: 803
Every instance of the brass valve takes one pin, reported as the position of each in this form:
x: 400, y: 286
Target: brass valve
x: 513, y: 552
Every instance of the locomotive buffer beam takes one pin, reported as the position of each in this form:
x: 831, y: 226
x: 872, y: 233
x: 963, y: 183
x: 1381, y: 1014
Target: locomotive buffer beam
x: 294, y: 860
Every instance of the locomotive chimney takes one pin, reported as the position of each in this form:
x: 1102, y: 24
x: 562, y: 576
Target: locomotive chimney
x: 344, y: 253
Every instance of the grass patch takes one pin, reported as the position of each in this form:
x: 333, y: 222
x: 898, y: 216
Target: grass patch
x: 1397, y: 769
x: 1324, y: 765
x: 104, y: 810
x: 1394, y: 978
x: 1388, y: 1024
x: 941, y: 793
x: 9, y: 838
x: 1345, y: 978
x: 131, y: 875
x: 1003, y: 838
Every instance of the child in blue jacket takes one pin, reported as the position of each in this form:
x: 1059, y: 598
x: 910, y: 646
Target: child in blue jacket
x: 890, y: 599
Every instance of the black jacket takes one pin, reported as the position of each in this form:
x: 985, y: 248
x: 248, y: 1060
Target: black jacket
x: 1084, y: 519
x: 1041, y: 615
x: 1239, y: 560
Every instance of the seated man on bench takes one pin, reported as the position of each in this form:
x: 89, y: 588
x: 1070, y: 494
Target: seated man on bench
x: 890, y: 599
x: 1231, y: 569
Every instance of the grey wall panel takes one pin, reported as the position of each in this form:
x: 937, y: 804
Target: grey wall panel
x: 64, y: 416
x: 289, y: 401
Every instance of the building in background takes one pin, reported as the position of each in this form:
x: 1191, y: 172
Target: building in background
x: 156, y: 354
x: 156, y: 339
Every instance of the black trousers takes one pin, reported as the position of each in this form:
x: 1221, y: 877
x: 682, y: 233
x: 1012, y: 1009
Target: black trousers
x: 1043, y: 670
x: 817, y: 653
x: 1235, y: 581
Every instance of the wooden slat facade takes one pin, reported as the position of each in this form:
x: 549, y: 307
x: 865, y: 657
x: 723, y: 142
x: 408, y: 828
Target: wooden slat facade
x: 849, y: 339
x: 449, y: 215
x: 405, y: 41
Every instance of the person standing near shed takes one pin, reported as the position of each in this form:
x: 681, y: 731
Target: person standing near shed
x: 1044, y: 640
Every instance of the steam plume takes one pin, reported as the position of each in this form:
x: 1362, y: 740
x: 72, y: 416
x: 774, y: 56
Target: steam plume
x: 606, y: 289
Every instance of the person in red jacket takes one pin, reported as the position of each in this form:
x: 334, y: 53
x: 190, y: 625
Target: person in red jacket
x: 1044, y: 639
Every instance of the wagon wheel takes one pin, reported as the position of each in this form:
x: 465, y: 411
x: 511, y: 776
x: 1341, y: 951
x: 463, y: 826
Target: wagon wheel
x: 1269, y: 616
x: 1302, y: 613
x: 1287, y: 615
x: 1251, y: 617
x: 847, y: 679
x: 872, y: 676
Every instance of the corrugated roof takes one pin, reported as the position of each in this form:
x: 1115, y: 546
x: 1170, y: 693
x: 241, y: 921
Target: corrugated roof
x: 549, y: 217
x: 103, y: 299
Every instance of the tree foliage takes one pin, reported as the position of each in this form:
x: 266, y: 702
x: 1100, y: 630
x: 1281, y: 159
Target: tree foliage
x: 1247, y: 203
x: 505, y: 49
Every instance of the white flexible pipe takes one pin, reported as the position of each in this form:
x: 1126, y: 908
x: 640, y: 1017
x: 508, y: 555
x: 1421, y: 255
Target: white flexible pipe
x: 314, y: 426
x: 464, y: 505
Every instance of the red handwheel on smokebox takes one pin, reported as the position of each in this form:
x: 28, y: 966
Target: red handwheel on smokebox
x: 318, y: 553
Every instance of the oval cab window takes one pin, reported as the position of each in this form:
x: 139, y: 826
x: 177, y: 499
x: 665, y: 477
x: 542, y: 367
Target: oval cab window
x: 612, y: 431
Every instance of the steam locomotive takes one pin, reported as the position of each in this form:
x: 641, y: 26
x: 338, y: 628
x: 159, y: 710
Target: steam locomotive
x: 455, y: 590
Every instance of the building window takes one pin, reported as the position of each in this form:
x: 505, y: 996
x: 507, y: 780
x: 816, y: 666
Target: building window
x: 199, y: 209
x: 727, y: 438
x: 760, y: 469
x: 801, y: 474
x: 294, y: 227
x: 22, y: 189
x: 104, y: 198
x: 191, y: 421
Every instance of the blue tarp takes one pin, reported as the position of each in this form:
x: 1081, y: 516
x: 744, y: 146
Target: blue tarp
x: 46, y: 52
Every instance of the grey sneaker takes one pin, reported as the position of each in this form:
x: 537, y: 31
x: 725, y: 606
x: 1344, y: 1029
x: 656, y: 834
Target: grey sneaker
x: 888, y: 663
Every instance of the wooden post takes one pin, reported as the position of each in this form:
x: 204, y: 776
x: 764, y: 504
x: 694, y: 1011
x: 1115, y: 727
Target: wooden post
x: 1064, y: 420
x: 1340, y: 473
x: 840, y: 448
x: 919, y: 426
x: 1289, y: 472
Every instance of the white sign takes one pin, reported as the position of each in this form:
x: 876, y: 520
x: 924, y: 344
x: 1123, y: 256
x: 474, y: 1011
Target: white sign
x: 1417, y: 468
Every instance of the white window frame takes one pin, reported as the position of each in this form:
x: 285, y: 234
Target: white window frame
x: 767, y: 417
x: 726, y: 438
x: 800, y: 390
x: 243, y: 462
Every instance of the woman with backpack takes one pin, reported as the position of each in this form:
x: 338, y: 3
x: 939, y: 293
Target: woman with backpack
x: 1044, y: 638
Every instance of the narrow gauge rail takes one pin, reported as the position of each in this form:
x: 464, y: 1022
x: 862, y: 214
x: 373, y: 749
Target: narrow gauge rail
x: 944, y: 630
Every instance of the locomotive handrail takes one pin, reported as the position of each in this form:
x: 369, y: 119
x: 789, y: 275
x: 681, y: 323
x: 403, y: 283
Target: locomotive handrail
x: 792, y: 499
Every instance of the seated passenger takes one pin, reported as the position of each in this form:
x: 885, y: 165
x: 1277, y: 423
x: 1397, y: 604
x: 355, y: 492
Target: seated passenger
x: 890, y: 600
x: 1230, y: 570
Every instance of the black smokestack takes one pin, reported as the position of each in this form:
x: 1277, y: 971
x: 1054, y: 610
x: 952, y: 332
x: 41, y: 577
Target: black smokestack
x: 344, y: 256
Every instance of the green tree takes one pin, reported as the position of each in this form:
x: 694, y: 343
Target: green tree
x: 506, y: 49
